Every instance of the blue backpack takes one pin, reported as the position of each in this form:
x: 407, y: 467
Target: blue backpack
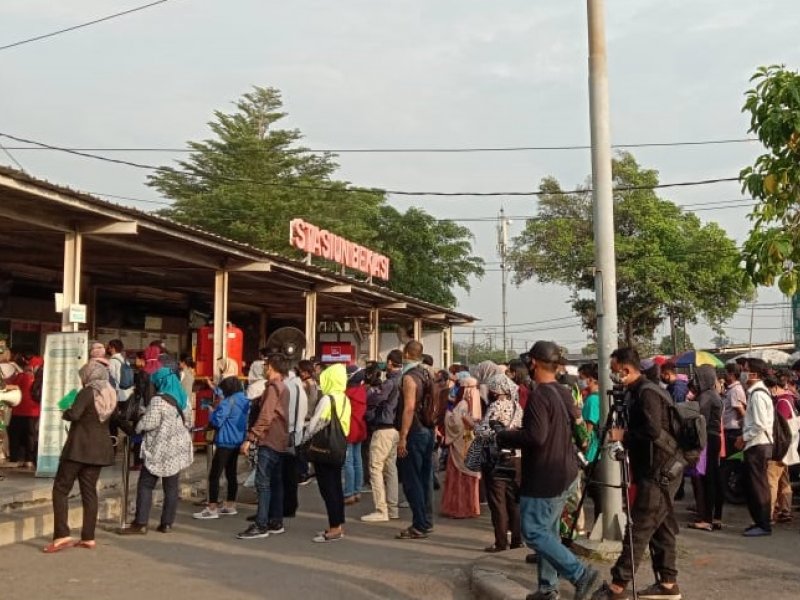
x: 125, y: 375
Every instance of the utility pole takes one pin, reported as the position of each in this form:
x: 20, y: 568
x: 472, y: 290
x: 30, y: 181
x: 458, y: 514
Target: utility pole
x: 752, y: 318
x: 605, y: 281
x: 502, y: 248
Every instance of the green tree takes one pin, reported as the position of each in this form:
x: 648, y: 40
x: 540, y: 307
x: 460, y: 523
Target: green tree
x: 772, y: 250
x: 667, y: 261
x: 252, y: 177
x: 682, y: 343
x: 426, y: 254
x: 469, y: 354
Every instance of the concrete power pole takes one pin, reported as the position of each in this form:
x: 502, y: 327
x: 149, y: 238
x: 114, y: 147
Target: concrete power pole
x: 502, y: 248
x: 605, y: 268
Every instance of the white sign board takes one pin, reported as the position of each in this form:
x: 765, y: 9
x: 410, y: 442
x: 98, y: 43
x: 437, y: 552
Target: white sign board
x: 64, y: 354
x: 77, y: 313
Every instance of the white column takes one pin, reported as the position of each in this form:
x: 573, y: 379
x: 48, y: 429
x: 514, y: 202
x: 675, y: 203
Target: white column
x: 220, y: 315
x: 71, y: 289
x: 311, y: 324
x: 375, y: 335
x: 447, y: 346
x: 418, y: 329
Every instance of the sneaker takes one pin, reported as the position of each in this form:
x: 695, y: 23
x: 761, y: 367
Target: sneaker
x: 375, y: 517
x: 586, y: 584
x: 756, y: 532
x: 403, y: 504
x: 606, y: 593
x: 207, y: 513
x: 307, y: 479
x: 659, y: 592
x: 275, y: 527
x: 543, y: 595
x: 253, y: 532
x: 225, y: 510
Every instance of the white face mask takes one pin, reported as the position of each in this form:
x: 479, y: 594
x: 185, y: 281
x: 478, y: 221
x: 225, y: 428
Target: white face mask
x: 582, y: 385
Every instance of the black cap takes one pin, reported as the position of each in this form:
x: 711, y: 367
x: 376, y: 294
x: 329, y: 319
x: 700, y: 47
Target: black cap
x: 545, y: 351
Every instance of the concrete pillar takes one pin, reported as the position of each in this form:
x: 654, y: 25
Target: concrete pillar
x: 71, y: 289
x: 447, y: 346
x: 220, y: 315
x: 418, y: 329
x: 311, y: 324
x: 375, y: 335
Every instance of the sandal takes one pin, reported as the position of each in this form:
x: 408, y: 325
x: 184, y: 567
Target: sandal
x: 88, y: 544
x: 52, y: 547
x: 701, y: 526
x: 411, y: 534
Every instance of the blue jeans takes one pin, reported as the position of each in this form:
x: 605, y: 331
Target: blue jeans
x: 353, y: 470
x: 269, y: 486
x: 416, y: 473
x: 540, y: 520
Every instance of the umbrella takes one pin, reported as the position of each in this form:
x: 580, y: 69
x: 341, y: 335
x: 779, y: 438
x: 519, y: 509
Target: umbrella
x: 696, y: 358
x: 768, y: 355
x: 793, y: 358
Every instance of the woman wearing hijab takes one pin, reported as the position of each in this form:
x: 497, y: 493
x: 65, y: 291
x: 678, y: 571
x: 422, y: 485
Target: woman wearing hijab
x: 87, y: 450
x: 484, y: 371
x: 166, y: 450
x: 333, y: 382
x: 460, y: 497
x: 229, y: 419
x: 504, y: 410
x: 256, y: 380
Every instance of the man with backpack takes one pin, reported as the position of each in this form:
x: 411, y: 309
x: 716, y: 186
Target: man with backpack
x: 415, y: 422
x: 381, y: 415
x: 120, y: 370
x: 656, y: 464
x: 757, y: 440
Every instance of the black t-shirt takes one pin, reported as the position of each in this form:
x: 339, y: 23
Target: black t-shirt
x: 549, y: 461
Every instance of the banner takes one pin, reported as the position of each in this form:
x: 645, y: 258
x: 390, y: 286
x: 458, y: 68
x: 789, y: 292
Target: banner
x: 64, y: 354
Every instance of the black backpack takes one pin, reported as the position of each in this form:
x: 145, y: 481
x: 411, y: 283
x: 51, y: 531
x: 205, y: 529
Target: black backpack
x: 36, y: 387
x: 427, y: 408
x: 781, y: 437
x: 688, y: 435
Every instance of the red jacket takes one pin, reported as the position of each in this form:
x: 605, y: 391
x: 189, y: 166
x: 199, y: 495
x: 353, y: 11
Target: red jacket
x: 358, y: 403
x: 28, y: 407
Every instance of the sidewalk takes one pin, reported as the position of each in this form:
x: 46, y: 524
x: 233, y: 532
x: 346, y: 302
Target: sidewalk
x: 711, y: 565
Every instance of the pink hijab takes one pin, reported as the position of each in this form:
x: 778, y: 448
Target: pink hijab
x: 151, y: 362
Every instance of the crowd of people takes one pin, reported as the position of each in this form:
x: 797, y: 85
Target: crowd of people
x: 523, y: 438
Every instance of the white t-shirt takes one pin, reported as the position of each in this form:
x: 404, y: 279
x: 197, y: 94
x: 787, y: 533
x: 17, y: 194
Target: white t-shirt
x: 734, y: 398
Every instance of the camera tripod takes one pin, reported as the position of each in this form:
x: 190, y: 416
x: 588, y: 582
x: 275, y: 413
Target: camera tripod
x: 616, y: 418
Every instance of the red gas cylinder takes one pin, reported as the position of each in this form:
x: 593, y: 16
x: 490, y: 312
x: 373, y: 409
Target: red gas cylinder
x: 234, y: 338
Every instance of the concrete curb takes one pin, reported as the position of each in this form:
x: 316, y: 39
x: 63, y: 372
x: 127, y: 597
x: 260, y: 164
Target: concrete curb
x: 487, y: 584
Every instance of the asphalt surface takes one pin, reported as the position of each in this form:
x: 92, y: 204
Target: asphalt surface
x: 203, y: 560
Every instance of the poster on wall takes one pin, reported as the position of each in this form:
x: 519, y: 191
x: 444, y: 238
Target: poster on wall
x: 64, y: 354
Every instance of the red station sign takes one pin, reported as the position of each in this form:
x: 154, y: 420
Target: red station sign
x: 321, y: 242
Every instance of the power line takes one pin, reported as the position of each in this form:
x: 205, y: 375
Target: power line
x: 11, y: 156
x: 80, y: 26
x: 369, y: 190
x: 445, y: 150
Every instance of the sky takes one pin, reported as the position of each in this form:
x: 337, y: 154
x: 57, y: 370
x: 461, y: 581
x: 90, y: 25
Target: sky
x: 411, y: 73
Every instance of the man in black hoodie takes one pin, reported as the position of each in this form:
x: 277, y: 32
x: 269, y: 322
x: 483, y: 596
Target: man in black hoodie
x: 652, y: 512
x: 549, y: 473
x: 709, y: 510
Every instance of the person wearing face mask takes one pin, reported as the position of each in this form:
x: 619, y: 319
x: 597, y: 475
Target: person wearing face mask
x: 653, y: 524
x: 548, y: 475
x: 589, y: 385
x: 756, y: 439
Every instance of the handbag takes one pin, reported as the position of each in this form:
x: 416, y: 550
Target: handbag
x: 329, y: 445
x: 793, y: 455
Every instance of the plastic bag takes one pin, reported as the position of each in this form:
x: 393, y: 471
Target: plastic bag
x: 68, y: 400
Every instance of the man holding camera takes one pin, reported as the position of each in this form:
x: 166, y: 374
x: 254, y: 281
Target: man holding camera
x: 549, y: 471
x: 656, y: 473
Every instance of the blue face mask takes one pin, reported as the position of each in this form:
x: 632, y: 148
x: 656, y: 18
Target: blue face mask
x: 582, y: 385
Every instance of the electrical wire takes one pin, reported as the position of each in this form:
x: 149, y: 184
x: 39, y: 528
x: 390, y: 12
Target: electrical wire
x: 13, y: 159
x: 453, y: 150
x: 371, y: 190
x: 81, y: 25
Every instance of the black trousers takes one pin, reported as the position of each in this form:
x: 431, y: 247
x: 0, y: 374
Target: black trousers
x: 227, y: 459
x: 329, y: 481
x: 87, y: 476
x: 654, y: 525
x: 758, y: 494
x: 501, y: 494
x: 144, y: 497
x: 712, y: 482
x: 290, y: 479
x: 23, y: 439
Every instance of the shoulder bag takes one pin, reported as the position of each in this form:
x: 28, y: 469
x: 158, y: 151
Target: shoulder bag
x: 329, y: 445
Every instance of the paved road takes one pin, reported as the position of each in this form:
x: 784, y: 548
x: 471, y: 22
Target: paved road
x: 202, y: 560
